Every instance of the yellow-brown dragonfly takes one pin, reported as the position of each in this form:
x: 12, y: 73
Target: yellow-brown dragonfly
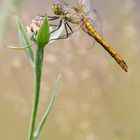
x: 82, y: 15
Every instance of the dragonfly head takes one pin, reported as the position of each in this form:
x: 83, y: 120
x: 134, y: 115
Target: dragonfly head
x: 57, y: 7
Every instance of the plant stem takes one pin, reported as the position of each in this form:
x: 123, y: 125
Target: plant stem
x: 38, y: 73
x: 49, y: 108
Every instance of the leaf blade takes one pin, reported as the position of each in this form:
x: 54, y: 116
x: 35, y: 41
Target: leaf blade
x: 18, y: 48
x: 52, y: 101
x: 24, y: 41
x: 43, y: 34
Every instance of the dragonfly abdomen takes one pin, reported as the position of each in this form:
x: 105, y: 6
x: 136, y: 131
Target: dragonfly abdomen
x: 93, y: 33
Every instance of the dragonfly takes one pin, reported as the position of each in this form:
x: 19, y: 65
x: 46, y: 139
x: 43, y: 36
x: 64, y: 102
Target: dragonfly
x: 83, y: 16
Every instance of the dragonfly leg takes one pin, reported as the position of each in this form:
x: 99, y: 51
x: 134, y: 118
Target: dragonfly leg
x: 53, y: 25
x: 67, y: 26
x: 65, y: 35
x: 58, y: 27
x: 51, y: 18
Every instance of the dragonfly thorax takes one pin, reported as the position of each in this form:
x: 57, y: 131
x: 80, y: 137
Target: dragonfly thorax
x: 72, y: 17
x: 59, y: 7
x: 68, y: 13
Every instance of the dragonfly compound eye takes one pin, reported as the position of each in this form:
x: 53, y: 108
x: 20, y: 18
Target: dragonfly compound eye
x: 57, y: 9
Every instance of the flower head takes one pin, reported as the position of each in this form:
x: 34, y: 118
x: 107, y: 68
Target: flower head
x: 34, y: 27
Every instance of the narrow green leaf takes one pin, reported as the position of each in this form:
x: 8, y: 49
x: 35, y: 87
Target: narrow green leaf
x: 24, y: 41
x: 43, y: 34
x: 18, y: 48
x: 52, y: 101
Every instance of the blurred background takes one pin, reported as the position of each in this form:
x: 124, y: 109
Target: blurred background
x: 97, y: 99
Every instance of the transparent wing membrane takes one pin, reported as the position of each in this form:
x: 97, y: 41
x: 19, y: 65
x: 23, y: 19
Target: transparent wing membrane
x: 86, y: 7
x: 82, y: 40
x: 91, y: 13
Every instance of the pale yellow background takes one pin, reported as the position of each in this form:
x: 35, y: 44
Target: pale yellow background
x: 97, y: 99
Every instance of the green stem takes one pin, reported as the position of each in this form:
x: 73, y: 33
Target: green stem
x: 38, y: 73
x: 46, y: 114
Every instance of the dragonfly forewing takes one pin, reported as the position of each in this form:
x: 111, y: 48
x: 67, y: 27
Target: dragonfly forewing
x: 86, y: 9
x: 91, y: 14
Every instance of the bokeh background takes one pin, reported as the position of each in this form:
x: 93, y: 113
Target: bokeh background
x: 97, y: 99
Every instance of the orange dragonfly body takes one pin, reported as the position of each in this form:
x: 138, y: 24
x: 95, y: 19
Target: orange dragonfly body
x: 83, y: 16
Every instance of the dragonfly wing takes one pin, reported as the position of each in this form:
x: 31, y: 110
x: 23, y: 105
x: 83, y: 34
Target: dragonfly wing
x: 82, y: 39
x: 91, y: 13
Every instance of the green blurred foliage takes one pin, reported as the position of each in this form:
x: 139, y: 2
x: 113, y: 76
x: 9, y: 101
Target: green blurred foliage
x: 6, y: 8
